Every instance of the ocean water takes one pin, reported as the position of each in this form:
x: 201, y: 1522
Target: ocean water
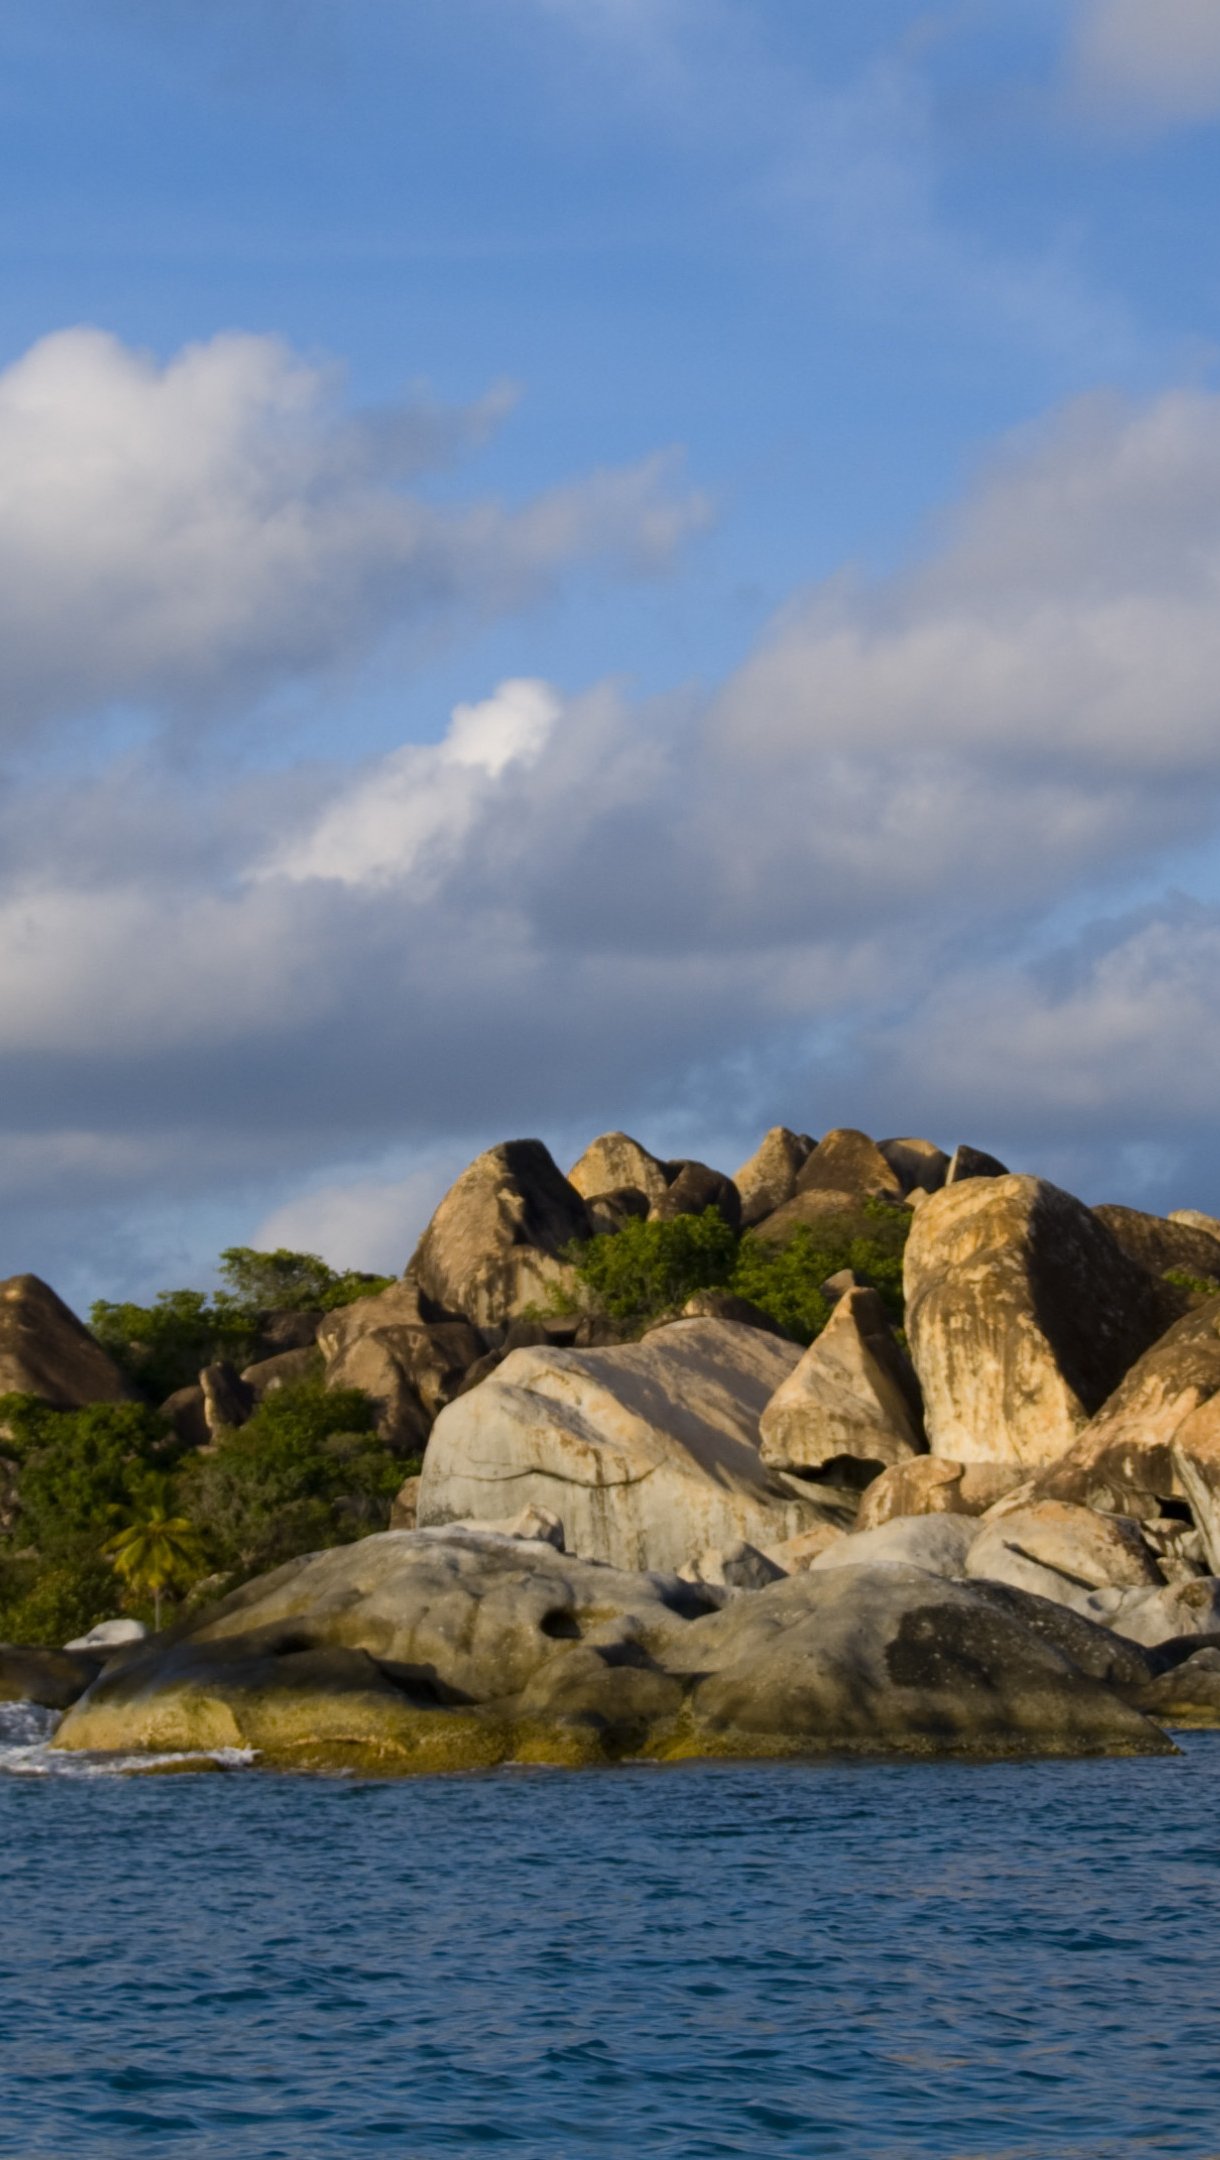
x: 882, y: 1960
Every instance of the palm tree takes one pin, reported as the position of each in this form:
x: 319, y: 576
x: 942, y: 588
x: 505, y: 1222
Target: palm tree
x: 155, y: 1549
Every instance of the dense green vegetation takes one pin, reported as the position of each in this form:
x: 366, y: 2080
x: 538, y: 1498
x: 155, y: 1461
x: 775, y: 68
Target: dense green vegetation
x: 163, y: 1346
x: 307, y: 1470
x: 647, y: 1270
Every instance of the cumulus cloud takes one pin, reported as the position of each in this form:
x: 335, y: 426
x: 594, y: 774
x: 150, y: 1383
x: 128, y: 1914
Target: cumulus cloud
x: 811, y: 895
x: 1159, y: 58
x: 196, y: 531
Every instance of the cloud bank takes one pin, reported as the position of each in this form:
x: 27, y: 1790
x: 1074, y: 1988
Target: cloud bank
x: 880, y: 874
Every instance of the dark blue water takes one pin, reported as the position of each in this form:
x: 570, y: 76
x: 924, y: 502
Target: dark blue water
x: 875, y: 1960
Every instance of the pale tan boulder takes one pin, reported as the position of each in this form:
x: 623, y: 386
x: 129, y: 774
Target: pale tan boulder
x: 493, y: 1246
x: 1022, y: 1315
x: 793, y: 1555
x: 408, y: 1363
x: 1087, y: 1550
x: 769, y: 1177
x: 381, y: 1365
x: 937, y: 1543
x: 848, y: 1161
x: 616, y: 1161
x: 649, y: 1452
x: 46, y: 1351
x: 853, y: 1401
x: 930, y: 1485
x: 919, y: 1165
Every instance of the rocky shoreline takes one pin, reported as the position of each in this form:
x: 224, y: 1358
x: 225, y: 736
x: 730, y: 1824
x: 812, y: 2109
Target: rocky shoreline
x: 992, y: 1529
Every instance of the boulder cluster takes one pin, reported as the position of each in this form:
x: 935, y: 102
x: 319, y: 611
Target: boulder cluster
x: 995, y: 1529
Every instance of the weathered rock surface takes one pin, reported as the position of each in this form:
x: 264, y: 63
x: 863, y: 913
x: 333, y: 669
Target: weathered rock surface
x: 186, y: 1412
x: 938, y: 1543
x: 51, y: 1678
x: 493, y: 1245
x: 410, y: 1365
x: 615, y: 1161
x: 735, y: 1567
x: 1187, y: 1695
x: 110, y: 1635
x: 930, y: 1485
x: 1129, y: 1458
x: 45, y: 1351
x: 769, y: 1178
x: 851, y: 1406
x: 1063, y: 1552
x: 649, y: 1452
x: 1023, y: 1315
x: 918, y: 1165
x: 848, y: 1161
x: 1158, y: 1243
x: 287, y: 1369
x: 427, y: 1651
x: 1155, y: 1617
x: 792, y: 1555
x: 694, y: 1190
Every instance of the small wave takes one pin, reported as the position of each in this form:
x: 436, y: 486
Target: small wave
x: 27, y: 1730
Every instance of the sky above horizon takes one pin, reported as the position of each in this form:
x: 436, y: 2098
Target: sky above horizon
x: 598, y: 563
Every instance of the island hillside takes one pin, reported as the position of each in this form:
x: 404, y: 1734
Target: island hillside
x: 866, y: 1446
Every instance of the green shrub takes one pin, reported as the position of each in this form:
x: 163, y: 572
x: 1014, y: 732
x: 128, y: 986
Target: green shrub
x: 163, y: 1346
x: 52, y: 1604
x: 307, y: 1470
x: 75, y: 1468
x: 284, y: 1281
x: 648, y: 1270
x: 785, y: 1280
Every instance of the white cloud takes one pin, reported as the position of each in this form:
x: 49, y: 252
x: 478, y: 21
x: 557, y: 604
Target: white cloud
x: 424, y: 796
x: 1159, y: 58
x: 373, y: 1223
x: 192, y: 531
x: 575, y: 909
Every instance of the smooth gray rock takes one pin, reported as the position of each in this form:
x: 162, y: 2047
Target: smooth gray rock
x: 937, y: 1543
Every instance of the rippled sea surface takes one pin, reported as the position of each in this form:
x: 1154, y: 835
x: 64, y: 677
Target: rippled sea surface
x: 883, y: 1960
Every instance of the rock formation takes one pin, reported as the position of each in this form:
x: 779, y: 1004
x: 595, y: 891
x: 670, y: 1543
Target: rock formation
x: 1023, y: 1314
x: 454, y: 1650
x: 649, y: 1453
x: 45, y: 1351
x: 494, y: 1244
x: 851, y: 1406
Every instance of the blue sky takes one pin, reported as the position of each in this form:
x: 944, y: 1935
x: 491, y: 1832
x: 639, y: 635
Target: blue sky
x: 786, y: 436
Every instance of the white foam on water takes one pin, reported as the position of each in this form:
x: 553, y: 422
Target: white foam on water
x: 27, y: 1730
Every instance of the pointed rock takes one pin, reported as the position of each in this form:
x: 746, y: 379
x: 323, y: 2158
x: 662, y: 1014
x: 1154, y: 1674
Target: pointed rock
x: 46, y: 1351
x: 769, y: 1178
x: 494, y: 1243
x: 848, y: 1161
x: 852, y: 1402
